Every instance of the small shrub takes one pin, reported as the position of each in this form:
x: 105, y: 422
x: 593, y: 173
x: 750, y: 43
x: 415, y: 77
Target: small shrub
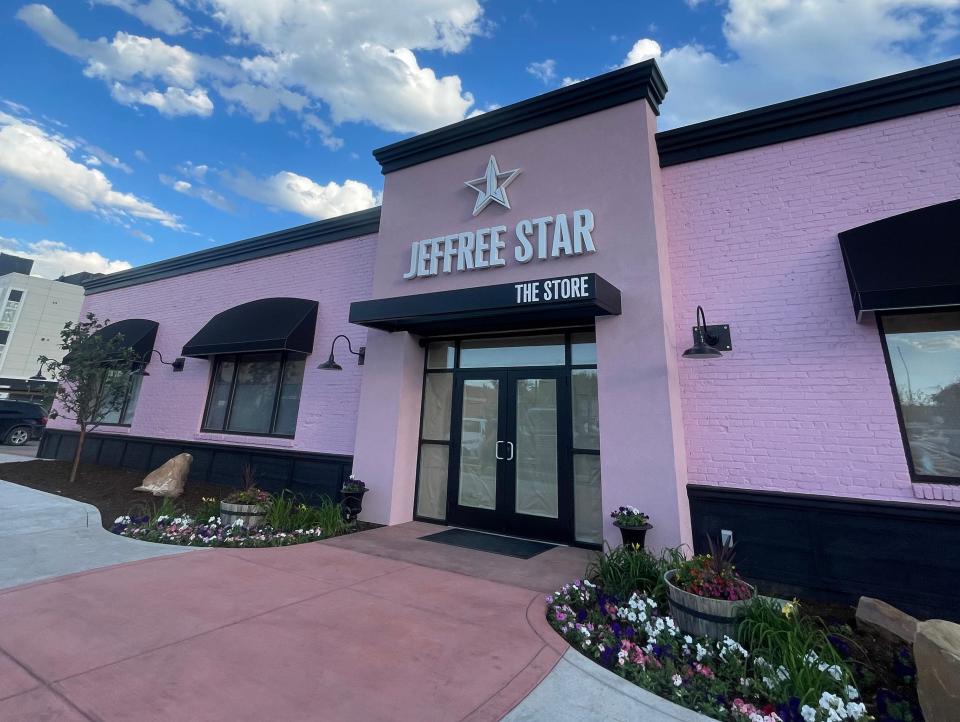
x: 249, y: 493
x: 631, y: 568
x: 208, y: 508
x: 286, y: 513
x: 167, y: 509
x: 713, y: 575
x: 799, y: 661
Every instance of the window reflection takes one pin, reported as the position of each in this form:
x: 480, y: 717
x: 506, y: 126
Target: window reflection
x: 924, y: 352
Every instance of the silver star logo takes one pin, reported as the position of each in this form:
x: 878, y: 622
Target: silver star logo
x: 492, y: 186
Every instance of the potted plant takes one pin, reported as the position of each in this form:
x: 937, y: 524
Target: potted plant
x: 632, y: 523
x: 706, y: 593
x: 246, y: 506
x: 351, y: 497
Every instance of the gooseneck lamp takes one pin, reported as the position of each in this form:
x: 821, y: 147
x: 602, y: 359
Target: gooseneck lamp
x: 331, y: 363
x: 177, y: 364
x: 708, y: 340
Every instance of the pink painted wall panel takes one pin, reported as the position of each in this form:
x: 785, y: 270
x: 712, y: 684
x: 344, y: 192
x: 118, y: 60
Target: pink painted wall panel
x: 171, y: 404
x: 803, y: 403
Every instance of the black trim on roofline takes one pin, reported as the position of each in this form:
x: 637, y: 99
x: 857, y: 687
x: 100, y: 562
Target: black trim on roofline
x: 635, y: 82
x: 895, y: 96
x: 352, y: 225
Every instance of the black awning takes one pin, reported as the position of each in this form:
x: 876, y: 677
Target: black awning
x: 138, y: 334
x: 538, y: 303
x: 907, y: 261
x: 270, y: 324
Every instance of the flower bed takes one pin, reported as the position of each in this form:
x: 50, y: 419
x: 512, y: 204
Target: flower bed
x: 639, y: 641
x: 189, y: 532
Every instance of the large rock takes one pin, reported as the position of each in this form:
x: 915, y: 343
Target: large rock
x: 169, y: 479
x: 937, y: 654
x: 889, y: 621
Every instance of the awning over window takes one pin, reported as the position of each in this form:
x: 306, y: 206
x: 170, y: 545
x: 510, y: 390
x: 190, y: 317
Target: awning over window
x: 524, y: 304
x: 907, y: 261
x: 138, y: 334
x: 270, y: 324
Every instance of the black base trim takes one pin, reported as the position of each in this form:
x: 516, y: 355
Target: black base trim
x: 308, y: 474
x: 838, y: 549
x: 706, y: 616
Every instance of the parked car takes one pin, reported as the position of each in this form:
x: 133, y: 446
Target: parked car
x: 21, y: 421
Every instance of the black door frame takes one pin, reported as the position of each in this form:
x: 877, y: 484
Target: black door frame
x: 504, y: 518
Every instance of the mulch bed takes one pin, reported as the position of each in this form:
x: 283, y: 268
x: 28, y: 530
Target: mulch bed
x: 107, y: 488
x: 884, y: 667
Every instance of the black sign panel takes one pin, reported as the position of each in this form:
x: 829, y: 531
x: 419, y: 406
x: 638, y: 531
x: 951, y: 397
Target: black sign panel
x: 547, y: 302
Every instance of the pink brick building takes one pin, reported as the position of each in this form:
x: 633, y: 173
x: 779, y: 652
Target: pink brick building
x: 523, y: 300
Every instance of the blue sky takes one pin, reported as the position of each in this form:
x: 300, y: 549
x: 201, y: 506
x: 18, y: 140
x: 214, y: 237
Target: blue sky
x: 135, y: 130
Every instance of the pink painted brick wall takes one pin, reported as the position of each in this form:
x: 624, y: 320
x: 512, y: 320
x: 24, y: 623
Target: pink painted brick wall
x: 171, y: 404
x: 803, y: 403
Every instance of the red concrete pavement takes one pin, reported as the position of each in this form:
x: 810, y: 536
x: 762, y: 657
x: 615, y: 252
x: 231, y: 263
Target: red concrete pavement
x: 311, y: 632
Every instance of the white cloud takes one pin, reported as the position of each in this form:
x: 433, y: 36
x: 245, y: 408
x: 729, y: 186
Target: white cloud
x: 99, y: 156
x: 291, y: 192
x: 172, y: 101
x: 204, y: 193
x: 54, y: 258
x: 644, y: 49
x: 567, y: 80
x: 780, y: 50
x: 36, y: 158
x: 160, y: 15
x: 322, y: 129
x: 545, y: 71
x: 356, y: 59
x: 140, y: 156
x: 137, y: 233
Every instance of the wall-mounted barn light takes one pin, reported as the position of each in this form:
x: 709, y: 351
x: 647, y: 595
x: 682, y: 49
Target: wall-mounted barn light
x: 177, y: 364
x: 331, y: 364
x: 708, y: 341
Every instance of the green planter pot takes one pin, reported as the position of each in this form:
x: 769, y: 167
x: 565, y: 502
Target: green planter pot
x: 634, y: 534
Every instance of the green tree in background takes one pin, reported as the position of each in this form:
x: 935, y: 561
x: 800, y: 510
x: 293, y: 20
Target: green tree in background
x: 92, y: 379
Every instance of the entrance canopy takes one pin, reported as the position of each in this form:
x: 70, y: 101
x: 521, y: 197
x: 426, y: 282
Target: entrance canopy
x: 905, y: 261
x: 538, y: 303
x: 138, y: 334
x: 269, y: 324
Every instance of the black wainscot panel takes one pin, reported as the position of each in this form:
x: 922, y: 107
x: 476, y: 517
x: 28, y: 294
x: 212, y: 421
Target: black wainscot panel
x: 838, y: 549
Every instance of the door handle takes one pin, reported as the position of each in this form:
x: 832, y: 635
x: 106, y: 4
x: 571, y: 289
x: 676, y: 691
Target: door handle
x: 497, y: 451
x: 510, y: 444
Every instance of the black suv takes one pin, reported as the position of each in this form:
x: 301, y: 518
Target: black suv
x: 21, y: 421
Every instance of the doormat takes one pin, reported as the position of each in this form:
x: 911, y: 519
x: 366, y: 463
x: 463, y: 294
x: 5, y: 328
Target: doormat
x: 503, y: 545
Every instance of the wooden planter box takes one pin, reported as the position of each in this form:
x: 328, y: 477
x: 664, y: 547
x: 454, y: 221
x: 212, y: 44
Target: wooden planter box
x: 696, y: 615
x: 250, y: 514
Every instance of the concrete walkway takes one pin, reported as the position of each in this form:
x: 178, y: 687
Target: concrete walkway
x: 43, y: 535
x: 311, y: 632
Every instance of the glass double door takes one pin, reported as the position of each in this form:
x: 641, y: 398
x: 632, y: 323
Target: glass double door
x: 510, y: 456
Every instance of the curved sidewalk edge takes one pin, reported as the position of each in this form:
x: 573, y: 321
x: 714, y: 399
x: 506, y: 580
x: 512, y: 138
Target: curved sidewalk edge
x: 44, y: 535
x: 579, y: 690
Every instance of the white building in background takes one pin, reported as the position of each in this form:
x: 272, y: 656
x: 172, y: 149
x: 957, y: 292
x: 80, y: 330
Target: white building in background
x: 33, y: 311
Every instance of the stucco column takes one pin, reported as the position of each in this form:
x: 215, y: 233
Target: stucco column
x: 642, y: 451
x: 388, y: 427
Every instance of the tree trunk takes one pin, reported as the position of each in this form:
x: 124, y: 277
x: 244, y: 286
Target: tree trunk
x: 76, y: 456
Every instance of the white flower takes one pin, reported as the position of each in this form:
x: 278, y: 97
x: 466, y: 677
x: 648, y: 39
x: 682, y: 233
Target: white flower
x: 852, y: 692
x: 677, y: 680
x: 856, y: 710
x: 701, y: 652
x: 688, y: 639
x: 237, y: 523
x: 808, y: 713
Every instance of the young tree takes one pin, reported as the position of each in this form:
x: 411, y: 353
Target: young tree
x: 92, y: 378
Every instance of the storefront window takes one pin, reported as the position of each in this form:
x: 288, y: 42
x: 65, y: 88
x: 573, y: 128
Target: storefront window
x: 513, y: 351
x: 255, y: 393
x: 923, y: 351
x: 121, y: 413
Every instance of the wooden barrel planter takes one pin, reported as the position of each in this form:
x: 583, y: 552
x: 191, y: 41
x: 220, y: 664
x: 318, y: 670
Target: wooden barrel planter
x: 696, y: 615
x: 250, y: 514
x: 634, y: 534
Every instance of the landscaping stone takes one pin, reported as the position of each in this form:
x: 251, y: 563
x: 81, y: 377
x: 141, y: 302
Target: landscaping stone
x: 937, y: 654
x: 889, y: 621
x: 169, y: 479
